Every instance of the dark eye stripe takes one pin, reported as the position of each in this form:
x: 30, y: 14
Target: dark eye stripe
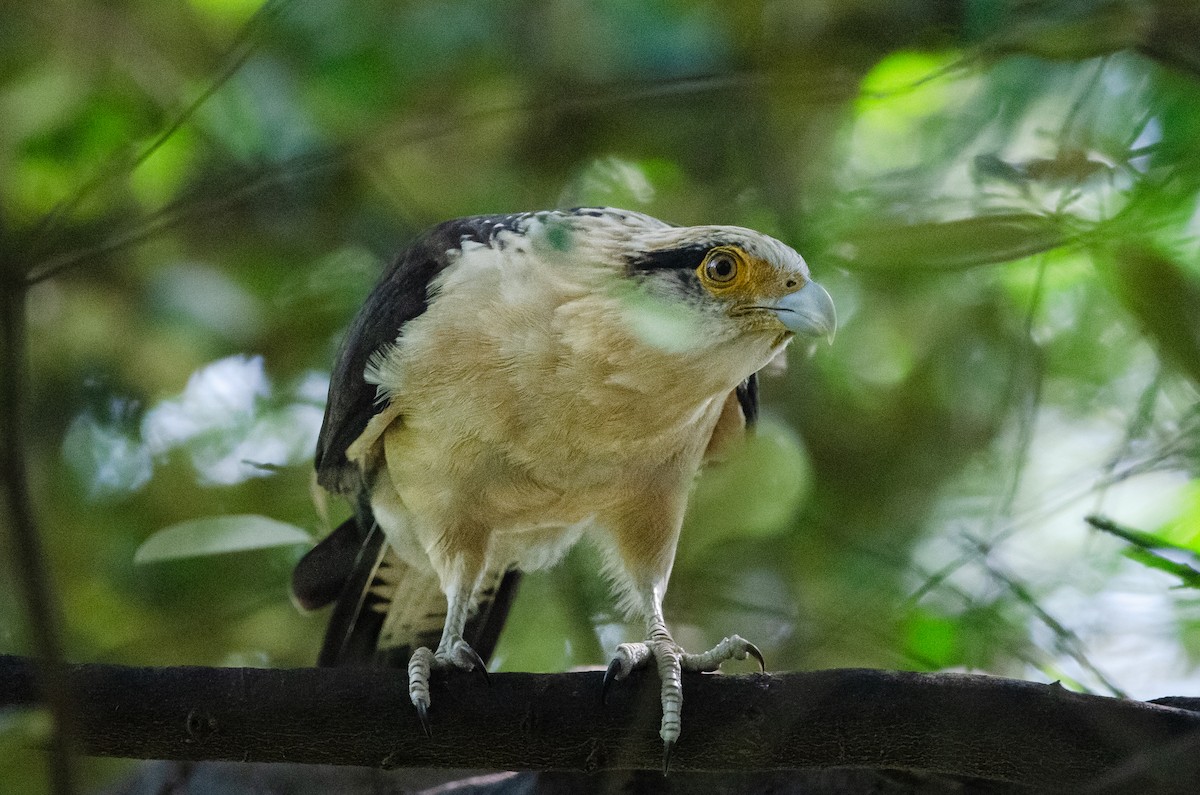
x: 684, y: 258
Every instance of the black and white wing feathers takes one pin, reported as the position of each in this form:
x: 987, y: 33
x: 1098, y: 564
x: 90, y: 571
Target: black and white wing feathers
x: 401, y: 294
x: 352, y: 567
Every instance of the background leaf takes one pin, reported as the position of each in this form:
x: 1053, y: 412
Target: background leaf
x: 1165, y: 298
x: 217, y: 535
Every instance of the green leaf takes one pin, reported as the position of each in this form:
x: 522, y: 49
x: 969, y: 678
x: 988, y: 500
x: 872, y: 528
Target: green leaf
x: 1184, y: 530
x: 754, y: 492
x: 216, y: 535
x: 949, y: 245
x: 933, y: 639
x: 1153, y: 552
x: 1189, y: 576
x: 1164, y: 298
x: 903, y: 70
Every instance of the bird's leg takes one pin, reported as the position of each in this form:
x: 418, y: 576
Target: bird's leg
x: 671, y: 660
x: 452, y: 650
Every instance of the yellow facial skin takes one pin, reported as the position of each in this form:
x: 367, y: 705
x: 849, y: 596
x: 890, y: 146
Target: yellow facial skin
x: 750, y: 285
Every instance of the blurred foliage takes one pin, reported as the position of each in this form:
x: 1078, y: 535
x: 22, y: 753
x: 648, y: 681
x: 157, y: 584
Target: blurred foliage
x: 218, y: 535
x: 1002, y: 198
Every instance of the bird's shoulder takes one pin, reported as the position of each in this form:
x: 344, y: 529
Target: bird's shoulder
x: 401, y: 294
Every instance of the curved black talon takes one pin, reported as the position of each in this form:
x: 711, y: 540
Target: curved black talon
x: 667, y: 746
x: 610, y: 676
x: 480, y: 666
x: 423, y: 715
x: 753, y: 651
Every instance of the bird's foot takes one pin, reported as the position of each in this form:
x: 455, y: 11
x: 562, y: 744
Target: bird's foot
x: 735, y: 647
x: 457, y: 653
x: 671, y: 661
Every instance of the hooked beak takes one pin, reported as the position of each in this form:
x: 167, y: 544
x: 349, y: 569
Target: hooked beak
x: 808, y: 312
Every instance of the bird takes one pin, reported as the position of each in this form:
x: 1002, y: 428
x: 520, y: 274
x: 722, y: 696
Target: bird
x: 517, y: 383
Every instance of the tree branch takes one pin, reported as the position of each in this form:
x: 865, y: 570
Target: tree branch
x: 957, y: 724
x: 27, y: 559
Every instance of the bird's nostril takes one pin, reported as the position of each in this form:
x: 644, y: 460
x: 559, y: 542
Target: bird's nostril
x: 791, y: 282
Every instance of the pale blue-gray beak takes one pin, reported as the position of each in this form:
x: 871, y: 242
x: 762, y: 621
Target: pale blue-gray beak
x: 808, y: 312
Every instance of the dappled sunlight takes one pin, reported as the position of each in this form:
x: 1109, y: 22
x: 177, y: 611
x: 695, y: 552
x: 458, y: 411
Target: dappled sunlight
x: 106, y: 457
x: 219, y: 397
x: 1090, y: 604
x: 1128, y: 628
x: 1072, y: 147
x: 226, y: 424
x: 229, y: 421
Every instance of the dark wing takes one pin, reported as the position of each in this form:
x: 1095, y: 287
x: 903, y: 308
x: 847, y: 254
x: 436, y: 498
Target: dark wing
x: 321, y: 575
x: 353, y: 629
x: 420, y: 617
x: 350, y: 567
x: 738, y: 415
x: 747, y: 395
x: 401, y: 295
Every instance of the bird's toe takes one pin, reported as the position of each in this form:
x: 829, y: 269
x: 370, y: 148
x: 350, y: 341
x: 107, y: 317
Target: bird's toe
x: 735, y: 647
x: 628, y: 658
x: 459, y: 654
x: 419, y: 667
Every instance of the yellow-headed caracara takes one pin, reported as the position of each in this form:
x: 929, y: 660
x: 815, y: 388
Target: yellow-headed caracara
x: 517, y: 382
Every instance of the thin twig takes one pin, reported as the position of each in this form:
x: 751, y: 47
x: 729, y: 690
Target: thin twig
x: 187, y: 209
x: 239, y: 51
x: 1068, y: 642
x: 424, y: 131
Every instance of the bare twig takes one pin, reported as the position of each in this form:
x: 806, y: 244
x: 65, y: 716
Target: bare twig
x: 240, y: 50
x: 190, y: 208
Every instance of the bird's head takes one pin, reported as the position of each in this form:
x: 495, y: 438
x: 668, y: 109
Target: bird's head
x: 748, y: 282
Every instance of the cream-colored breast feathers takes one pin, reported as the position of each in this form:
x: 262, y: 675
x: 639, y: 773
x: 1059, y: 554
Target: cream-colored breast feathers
x: 541, y: 391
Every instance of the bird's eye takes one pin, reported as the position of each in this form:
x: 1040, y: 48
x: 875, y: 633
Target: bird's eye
x: 721, y: 268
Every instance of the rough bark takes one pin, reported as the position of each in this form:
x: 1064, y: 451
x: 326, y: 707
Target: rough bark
x: 954, y: 724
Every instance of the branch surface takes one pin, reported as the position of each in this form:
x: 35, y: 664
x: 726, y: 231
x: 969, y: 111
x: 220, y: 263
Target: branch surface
x: 957, y: 724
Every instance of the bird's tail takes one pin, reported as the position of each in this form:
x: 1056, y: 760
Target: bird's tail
x: 384, y: 608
